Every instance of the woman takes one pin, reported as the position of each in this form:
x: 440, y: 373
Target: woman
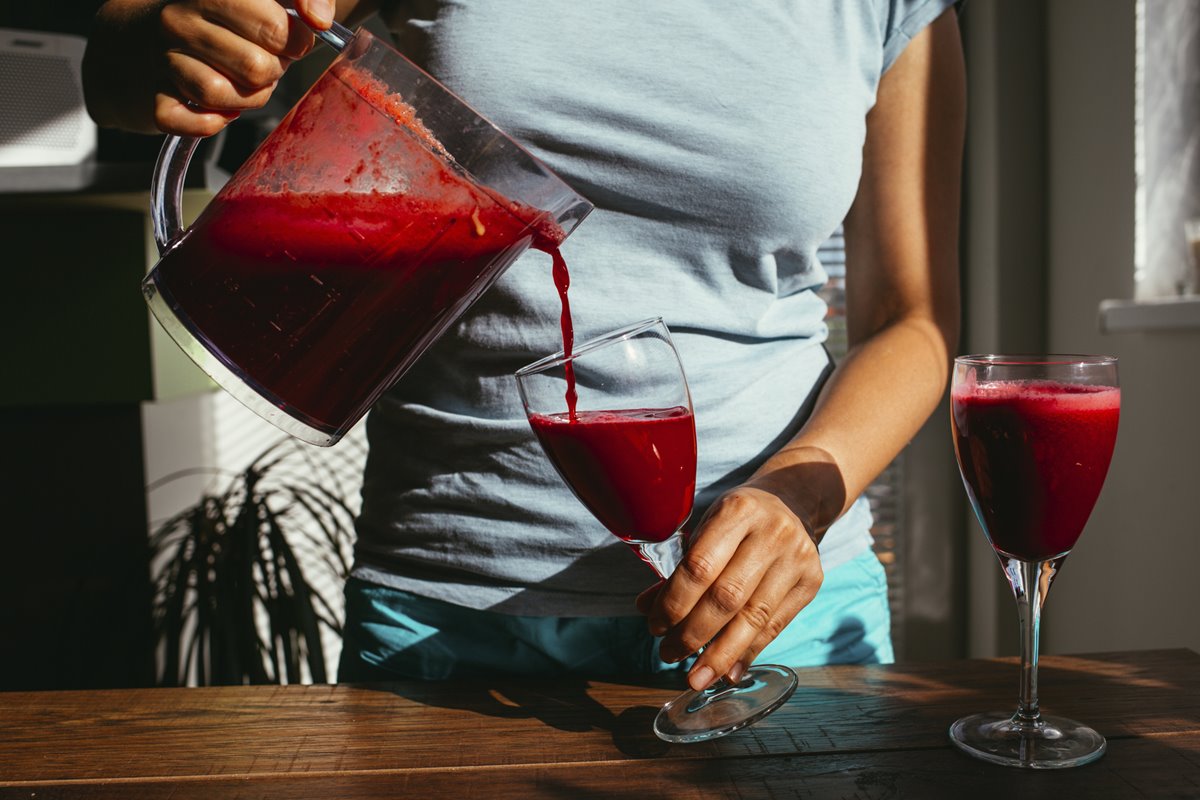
x: 721, y: 146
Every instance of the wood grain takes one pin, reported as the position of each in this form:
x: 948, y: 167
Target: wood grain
x: 848, y: 731
x: 1155, y: 767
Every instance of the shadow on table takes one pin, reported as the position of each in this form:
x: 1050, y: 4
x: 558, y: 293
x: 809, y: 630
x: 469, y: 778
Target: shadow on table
x: 879, y: 729
x: 562, y: 703
x: 565, y: 702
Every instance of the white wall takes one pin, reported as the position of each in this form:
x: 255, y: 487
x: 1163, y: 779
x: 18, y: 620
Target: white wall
x: 1132, y: 581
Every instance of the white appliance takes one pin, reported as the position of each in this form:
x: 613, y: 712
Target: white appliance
x: 47, y: 140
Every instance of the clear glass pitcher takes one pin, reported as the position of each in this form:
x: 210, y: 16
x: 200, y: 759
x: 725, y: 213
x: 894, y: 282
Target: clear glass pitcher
x: 370, y: 219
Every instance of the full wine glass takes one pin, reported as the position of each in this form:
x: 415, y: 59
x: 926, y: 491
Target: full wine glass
x: 615, y: 418
x: 1034, y: 437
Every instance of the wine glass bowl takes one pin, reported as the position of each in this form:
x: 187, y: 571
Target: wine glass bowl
x: 1034, y: 437
x: 614, y: 416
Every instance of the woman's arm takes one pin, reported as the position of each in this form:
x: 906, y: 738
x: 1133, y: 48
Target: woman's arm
x: 752, y: 564
x: 191, y: 66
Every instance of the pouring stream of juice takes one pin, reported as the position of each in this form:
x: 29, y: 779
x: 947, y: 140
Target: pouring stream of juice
x: 562, y: 281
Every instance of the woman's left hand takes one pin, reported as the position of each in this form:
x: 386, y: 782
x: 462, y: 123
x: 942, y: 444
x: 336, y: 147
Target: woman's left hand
x: 750, y: 566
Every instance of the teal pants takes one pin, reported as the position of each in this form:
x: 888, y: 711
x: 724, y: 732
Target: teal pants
x: 391, y: 634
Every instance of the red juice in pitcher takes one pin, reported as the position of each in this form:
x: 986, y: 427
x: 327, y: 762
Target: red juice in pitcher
x: 322, y: 284
x: 635, y: 470
x: 1034, y: 455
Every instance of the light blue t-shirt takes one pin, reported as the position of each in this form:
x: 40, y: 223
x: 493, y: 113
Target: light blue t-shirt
x: 721, y: 144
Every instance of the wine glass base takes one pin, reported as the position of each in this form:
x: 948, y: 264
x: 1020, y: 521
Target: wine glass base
x: 724, y: 708
x: 1051, y: 743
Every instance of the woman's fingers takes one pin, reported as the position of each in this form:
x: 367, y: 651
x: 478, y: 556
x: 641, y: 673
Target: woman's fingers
x: 795, y: 602
x: 740, y: 588
x: 172, y: 115
x: 751, y: 630
x: 317, y: 13
x: 246, y: 62
x: 704, y: 560
x: 749, y: 570
x: 645, y: 600
x: 223, y: 57
x: 210, y: 90
x: 188, y: 66
x: 264, y: 23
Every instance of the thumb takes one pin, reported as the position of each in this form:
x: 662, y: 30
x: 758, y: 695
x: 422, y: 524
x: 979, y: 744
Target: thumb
x: 645, y: 600
x: 316, y: 13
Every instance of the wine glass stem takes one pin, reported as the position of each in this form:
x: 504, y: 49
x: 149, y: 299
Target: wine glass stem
x: 663, y: 557
x: 1030, y: 580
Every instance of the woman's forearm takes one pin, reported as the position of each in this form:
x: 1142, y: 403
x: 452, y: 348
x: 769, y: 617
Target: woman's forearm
x: 873, y: 404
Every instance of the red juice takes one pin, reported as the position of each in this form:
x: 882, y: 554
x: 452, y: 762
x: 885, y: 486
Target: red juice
x: 1033, y: 456
x: 635, y: 470
x: 323, y: 275
x: 562, y: 282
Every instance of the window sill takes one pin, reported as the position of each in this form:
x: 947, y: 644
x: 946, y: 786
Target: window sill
x: 1144, y: 316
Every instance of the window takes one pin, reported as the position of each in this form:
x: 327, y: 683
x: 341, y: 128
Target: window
x: 1166, y: 294
x: 1167, y: 148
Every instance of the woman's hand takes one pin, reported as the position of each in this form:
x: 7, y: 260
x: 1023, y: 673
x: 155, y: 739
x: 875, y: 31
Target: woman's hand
x: 750, y: 567
x: 189, y: 67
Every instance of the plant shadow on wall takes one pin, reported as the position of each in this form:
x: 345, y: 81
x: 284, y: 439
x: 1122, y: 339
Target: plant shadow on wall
x: 248, y: 581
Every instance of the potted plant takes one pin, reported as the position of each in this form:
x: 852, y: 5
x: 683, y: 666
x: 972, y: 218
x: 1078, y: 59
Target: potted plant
x: 238, y: 595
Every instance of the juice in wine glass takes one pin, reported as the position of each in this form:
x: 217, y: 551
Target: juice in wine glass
x: 634, y: 469
x: 1034, y: 454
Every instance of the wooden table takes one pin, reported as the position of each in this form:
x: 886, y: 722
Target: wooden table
x: 862, y: 732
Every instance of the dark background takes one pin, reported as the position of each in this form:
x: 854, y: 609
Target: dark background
x: 74, y: 565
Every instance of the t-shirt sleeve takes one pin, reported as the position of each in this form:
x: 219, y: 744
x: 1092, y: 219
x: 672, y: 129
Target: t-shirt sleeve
x: 905, y: 19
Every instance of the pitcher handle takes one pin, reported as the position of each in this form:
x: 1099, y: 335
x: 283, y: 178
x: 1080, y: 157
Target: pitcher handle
x: 166, y: 186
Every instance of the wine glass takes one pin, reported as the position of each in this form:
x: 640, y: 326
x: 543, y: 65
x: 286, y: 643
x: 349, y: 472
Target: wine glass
x: 615, y: 418
x: 1034, y: 437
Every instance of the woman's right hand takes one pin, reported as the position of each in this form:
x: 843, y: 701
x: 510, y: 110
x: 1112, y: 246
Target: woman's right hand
x: 189, y: 67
